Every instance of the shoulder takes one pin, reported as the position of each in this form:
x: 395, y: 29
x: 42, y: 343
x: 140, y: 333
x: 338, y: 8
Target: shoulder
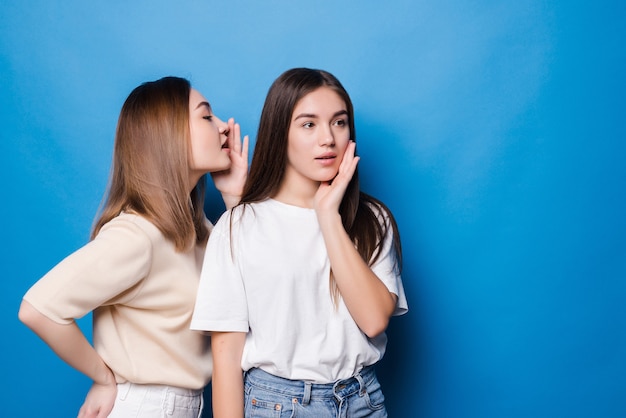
x: 130, y: 229
x: 132, y: 221
x: 241, y: 213
x: 241, y: 219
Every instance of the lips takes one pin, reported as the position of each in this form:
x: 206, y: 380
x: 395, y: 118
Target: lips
x: 326, y: 160
x: 327, y: 156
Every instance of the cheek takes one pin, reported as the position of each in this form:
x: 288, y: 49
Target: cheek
x: 342, y: 135
x: 208, y: 137
x: 294, y: 146
x: 343, y: 140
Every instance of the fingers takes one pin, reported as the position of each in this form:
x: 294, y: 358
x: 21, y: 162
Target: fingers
x: 349, y: 161
x: 244, y: 150
x: 330, y: 193
x: 230, y: 133
x: 346, y: 170
x: 234, y: 139
x: 236, y: 135
x: 86, y: 413
x: 102, y: 414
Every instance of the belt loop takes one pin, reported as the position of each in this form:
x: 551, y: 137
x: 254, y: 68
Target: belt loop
x: 123, y: 389
x: 362, y: 387
x: 307, y: 393
x: 170, y: 402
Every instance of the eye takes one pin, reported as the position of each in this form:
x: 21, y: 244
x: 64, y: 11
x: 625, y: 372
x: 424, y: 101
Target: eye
x: 341, y: 122
x: 308, y: 125
x: 209, y: 118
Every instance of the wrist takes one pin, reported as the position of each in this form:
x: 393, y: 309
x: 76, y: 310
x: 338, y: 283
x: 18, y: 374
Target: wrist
x: 105, y: 377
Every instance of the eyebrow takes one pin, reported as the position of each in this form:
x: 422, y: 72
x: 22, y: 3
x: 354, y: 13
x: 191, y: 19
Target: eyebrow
x: 206, y: 104
x: 313, y: 116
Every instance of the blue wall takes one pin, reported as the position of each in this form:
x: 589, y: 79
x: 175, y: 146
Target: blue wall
x: 494, y: 130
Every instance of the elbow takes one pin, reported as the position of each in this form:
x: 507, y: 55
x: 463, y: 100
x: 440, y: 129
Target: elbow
x: 28, y: 315
x: 376, y: 327
x: 25, y: 314
x: 377, y: 323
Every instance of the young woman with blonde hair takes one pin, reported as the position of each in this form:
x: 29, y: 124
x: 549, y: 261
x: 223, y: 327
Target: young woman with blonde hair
x: 139, y: 273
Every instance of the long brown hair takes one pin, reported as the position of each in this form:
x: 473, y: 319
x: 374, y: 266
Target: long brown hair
x: 150, y: 169
x: 359, y: 211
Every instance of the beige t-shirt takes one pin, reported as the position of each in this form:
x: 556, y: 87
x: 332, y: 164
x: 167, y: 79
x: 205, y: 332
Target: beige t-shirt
x: 142, y: 294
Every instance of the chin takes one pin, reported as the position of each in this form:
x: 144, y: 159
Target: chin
x: 327, y: 178
x: 217, y: 168
x: 224, y: 165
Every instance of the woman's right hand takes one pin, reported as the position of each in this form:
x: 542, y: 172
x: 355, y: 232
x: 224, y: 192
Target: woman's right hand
x: 99, y: 401
x: 230, y: 182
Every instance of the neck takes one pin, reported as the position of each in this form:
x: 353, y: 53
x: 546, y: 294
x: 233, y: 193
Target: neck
x: 300, y: 194
x: 194, y: 178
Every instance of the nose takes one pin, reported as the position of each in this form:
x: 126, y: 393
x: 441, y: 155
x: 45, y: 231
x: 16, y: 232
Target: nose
x: 327, y: 138
x: 221, y: 125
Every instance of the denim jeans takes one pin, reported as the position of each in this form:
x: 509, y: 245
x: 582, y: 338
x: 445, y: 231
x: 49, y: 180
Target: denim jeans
x: 267, y: 395
x: 152, y: 401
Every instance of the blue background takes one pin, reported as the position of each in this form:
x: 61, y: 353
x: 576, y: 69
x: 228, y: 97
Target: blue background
x: 495, y: 131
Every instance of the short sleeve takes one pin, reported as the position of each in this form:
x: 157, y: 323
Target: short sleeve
x: 117, y: 259
x: 386, y: 269
x: 221, y: 299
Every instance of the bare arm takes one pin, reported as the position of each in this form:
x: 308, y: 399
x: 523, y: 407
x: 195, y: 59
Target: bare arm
x: 70, y: 344
x: 367, y: 298
x: 227, y: 382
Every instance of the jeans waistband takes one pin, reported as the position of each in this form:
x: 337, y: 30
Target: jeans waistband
x: 299, y: 388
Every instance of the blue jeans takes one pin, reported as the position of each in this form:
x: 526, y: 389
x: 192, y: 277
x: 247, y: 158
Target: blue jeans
x: 267, y: 395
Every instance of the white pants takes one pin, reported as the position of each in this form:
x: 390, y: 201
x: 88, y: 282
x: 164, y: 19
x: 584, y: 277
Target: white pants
x: 154, y: 401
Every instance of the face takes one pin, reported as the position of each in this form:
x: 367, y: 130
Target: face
x: 209, y: 150
x: 318, y: 136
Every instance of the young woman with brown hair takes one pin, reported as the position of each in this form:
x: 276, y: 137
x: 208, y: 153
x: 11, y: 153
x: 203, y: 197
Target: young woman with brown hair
x: 139, y: 273
x: 300, y: 279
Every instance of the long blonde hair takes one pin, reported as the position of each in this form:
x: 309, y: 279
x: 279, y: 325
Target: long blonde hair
x: 150, y: 169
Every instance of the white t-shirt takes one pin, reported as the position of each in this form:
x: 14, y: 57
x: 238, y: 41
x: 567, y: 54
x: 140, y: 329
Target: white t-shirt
x: 269, y: 276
